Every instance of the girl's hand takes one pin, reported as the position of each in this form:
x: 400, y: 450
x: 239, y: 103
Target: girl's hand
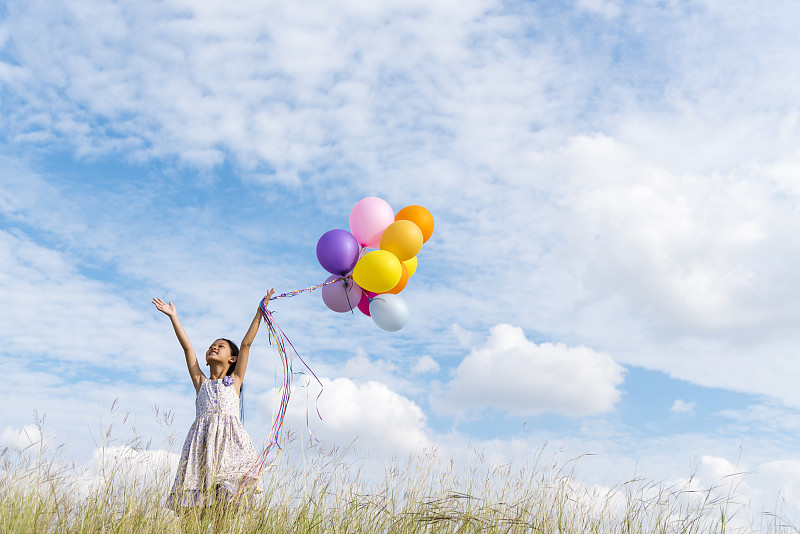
x: 167, y: 309
x: 267, y: 298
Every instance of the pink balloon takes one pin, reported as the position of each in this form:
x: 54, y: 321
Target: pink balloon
x: 368, y: 219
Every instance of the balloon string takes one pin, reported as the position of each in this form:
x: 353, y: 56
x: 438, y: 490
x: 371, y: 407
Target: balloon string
x: 284, y: 348
x: 282, y: 340
x: 347, y: 294
x: 310, y: 288
x: 284, y: 337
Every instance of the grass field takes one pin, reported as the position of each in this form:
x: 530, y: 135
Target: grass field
x: 311, y: 490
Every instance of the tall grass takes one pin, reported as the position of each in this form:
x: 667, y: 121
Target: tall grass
x: 313, y: 490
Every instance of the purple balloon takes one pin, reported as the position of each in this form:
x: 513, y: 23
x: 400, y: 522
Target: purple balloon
x: 337, y: 251
x: 339, y: 298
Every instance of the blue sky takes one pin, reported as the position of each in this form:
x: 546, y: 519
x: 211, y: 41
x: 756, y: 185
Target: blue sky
x: 614, y: 186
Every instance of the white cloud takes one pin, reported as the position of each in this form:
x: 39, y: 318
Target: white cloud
x: 371, y: 415
x: 685, y: 264
x: 513, y: 374
x: 714, y: 469
x: 681, y: 406
x: 396, y: 367
x: 607, y: 8
x: 425, y: 364
x: 750, y: 472
x: 23, y: 439
x: 361, y: 368
x: 668, y: 239
x: 132, y: 468
x: 464, y: 336
x: 685, y: 246
x: 783, y: 475
x: 769, y: 417
x: 263, y: 81
x: 631, y: 240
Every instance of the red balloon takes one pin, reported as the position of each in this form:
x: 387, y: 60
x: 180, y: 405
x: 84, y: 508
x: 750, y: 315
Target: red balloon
x: 363, y: 304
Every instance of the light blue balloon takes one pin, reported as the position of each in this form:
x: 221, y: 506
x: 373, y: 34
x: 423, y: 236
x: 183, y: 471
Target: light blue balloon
x: 389, y: 312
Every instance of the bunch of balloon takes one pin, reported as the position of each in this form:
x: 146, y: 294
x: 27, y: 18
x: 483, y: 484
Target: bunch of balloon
x: 384, y: 272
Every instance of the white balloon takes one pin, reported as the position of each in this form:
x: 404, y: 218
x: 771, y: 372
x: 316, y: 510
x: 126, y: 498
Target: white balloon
x: 389, y: 312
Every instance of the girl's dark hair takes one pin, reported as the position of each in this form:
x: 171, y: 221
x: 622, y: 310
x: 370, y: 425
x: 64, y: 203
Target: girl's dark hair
x: 235, y: 352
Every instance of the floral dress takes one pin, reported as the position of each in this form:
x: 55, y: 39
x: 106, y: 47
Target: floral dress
x: 218, y: 459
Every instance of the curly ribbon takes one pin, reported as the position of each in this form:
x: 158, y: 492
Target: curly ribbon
x: 285, y: 349
x: 311, y: 288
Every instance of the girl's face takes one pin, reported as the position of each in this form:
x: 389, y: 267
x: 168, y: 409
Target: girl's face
x: 219, y: 351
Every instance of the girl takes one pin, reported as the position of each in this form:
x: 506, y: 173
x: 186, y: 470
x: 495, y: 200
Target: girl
x: 218, y: 458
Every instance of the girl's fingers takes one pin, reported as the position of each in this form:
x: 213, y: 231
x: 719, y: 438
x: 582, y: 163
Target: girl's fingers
x: 162, y: 306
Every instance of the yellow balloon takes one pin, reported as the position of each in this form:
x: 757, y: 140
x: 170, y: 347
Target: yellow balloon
x: 402, y: 238
x: 411, y: 265
x: 378, y: 271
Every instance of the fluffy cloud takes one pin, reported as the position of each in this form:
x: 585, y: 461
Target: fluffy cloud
x: 370, y: 414
x: 785, y: 476
x: 22, y: 438
x: 275, y: 85
x: 688, y: 247
x: 131, y: 467
x: 513, y: 374
x: 682, y: 406
x: 667, y: 265
x: 634, y: 240
x: 667, y: 239
x: 425, y: 364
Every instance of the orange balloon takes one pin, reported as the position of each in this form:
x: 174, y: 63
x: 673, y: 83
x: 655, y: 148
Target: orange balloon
x: 401, y: 285
x: 419, y: 216
x: 403, y: 239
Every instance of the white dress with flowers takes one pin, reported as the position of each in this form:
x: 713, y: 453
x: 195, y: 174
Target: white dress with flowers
x: 218, y: 460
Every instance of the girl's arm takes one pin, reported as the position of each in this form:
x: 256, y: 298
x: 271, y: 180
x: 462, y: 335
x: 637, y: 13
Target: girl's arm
x: 244, y: 348
x: 191, y: 359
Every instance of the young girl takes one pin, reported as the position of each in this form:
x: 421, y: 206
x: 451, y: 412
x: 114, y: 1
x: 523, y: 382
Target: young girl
x: 218, y: 458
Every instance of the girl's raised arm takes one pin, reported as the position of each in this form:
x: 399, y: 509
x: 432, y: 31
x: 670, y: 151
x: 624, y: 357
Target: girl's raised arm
x: 244, y: 348
x: 191, y: 359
